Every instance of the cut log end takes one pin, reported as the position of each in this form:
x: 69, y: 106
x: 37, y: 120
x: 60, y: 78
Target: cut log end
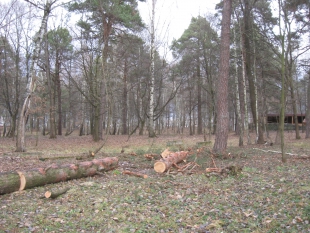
x: 160, y: 167
x: 48, y: 194
x: 22, y: 181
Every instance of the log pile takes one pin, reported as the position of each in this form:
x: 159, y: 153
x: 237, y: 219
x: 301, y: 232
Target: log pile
x: 20, y: 180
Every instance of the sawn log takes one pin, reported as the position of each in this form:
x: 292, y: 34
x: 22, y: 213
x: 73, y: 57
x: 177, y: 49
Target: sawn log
x: 20, y: 180
x: 173, y: 158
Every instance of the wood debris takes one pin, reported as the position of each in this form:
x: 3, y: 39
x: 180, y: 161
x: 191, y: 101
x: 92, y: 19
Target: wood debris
x: 137, y: 174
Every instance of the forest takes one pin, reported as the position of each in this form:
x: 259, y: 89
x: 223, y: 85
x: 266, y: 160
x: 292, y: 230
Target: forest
x: 96, y: 67
x: 107, y: 127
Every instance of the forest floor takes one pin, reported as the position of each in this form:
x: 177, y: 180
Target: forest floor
x: 267, y: 196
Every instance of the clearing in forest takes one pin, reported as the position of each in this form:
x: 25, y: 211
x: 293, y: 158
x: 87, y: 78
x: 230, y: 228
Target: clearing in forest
x: 263, y: 196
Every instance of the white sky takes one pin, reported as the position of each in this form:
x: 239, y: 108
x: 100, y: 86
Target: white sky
x: 172, y: 17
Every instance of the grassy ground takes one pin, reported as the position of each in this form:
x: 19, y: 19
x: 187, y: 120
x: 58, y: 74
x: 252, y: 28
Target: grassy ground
x: 267, y: 196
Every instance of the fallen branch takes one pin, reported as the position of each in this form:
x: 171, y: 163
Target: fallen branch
x: 303, y: 157
x: 151, y: 156
x: 232, y: 170
x: 189, y: 166
x: 99, y: 148
x: 20, y: 180
x: 213, y: 161
x: 213, y: 169
x: 277, y: 152
x: 137, y: 174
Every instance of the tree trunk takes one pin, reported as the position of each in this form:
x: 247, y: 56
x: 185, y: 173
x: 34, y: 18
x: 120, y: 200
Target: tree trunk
x: 290, y: 63
x: 96, y: 122
x: 308, y: 109
x: 124, y: 108
x: 20, y: 142
x: 199, y: 102
x: 283, y: 89
x: 104, y: 88
x: 57, y: 73
x: 14, y: 181
x: 248, y: 61
x: 294, y: 107
x: 12, y: 131
x: 152, y: 73
x: 221, y: 134
x: 190, y: 113
x: 239, y: 117
x: 52, y: 92
x: 243, y: 87
x: 259, y: 124
x: 141, y: 127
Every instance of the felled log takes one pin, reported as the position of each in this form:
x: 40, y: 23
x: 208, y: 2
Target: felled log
x: 137, y: 174
x: 54, y: 194
x: 20, y: 180
x: 173, y: 158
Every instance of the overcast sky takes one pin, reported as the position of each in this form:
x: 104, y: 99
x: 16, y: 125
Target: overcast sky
x: 175, y: 15
x: 172, y: 17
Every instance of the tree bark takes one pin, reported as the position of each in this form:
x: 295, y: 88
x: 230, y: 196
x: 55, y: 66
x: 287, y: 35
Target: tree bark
x: 221, y: 134
x: 20, y: 180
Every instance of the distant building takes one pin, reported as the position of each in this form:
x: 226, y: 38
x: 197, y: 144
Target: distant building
x: 289, y: 118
